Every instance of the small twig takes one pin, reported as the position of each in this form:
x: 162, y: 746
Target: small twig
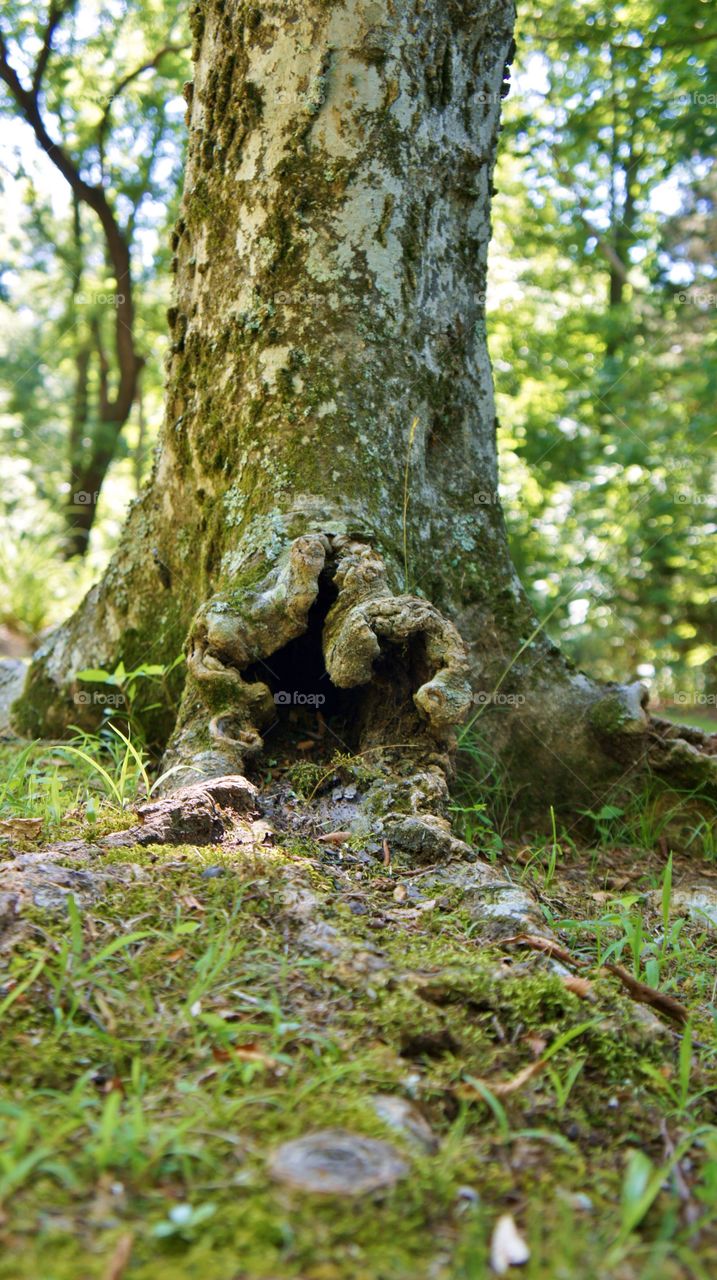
x: 546, y: 945
x: 117, y: 1264
x: 502, y: 1088
x: 648, y: 995
x: 422, y: 871
x: 639, y: 991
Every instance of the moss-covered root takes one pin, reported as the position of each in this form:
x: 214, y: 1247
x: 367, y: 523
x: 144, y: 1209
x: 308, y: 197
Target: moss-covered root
x: 367, y: 620
x: 407, y: 660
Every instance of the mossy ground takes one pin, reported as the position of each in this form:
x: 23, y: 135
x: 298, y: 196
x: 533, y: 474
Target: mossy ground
x: 160, y: 1042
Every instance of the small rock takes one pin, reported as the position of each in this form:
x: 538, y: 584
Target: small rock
x: 12, y: 682
x: 426, y: 837
x: 195, y: 814
x: 336, y: 1162
x: 213, y: 873
x: 407, y: 1119
x: 320, y: 936
x: 467, y: 1195
x: 51, y: 898
x: 507, y: 1247
x: 698, y: 902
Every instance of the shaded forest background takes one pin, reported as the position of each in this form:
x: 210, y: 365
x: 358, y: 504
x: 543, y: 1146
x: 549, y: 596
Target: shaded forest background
x: 600, y: 309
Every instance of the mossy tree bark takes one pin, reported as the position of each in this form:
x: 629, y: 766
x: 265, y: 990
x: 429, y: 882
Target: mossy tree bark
x: 328, y: 463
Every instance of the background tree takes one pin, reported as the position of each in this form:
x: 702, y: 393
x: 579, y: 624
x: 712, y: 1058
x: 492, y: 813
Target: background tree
x: 96, y: 91
x: 607, y: 411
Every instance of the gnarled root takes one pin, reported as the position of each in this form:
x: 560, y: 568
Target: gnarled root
x: 366, y: 616
x: 407, y: 659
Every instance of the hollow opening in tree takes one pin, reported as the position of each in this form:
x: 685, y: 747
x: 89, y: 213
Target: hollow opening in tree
x: 312, y: 716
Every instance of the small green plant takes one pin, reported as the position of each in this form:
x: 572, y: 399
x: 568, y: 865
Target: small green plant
x: 604, y: 820
x: 563, y: 1084
x: 120, y: 783
x: 481, y: 802
x: 129, y: 685
x: 473, y: 825
x: 643, y: 1180
x: 679, y: 1092
x: 184, y: 1221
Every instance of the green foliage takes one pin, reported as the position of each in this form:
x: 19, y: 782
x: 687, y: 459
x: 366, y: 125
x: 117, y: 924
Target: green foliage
x: 31, y: 598
x: 606, y: 378
x: 111, y: 93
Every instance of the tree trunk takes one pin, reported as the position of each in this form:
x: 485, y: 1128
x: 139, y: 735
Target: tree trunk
x: 90, y: 464
x: 323, y: 527
x: 113, y: 410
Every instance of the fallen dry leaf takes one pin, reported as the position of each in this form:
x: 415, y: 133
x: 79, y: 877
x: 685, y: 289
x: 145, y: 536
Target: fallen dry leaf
x: 536, y: 1044
x: 507, y: 1247
x: 252, y: 1053
x: 247, y: 1053
x: 502, y: 1088
x: 579, y: 986
x: 335, y: 837
x: 386, y: 854
x: 536, y: 943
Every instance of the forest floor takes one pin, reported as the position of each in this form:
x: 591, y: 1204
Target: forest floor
x: 170, y: 1017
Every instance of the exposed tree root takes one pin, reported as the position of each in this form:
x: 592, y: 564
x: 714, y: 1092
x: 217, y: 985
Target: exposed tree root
x: 322, y: 628
x: 406, y: 661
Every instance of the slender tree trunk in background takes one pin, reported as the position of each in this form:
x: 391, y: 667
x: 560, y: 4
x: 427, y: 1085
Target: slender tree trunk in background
x: 91, y: 462
x: 138, y: 459
x: 114, y: 409
x: 323, y: 519
x: 80, y: 408
x: 76, y: 542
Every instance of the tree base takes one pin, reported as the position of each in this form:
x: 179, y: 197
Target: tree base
x: 307, y: 651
